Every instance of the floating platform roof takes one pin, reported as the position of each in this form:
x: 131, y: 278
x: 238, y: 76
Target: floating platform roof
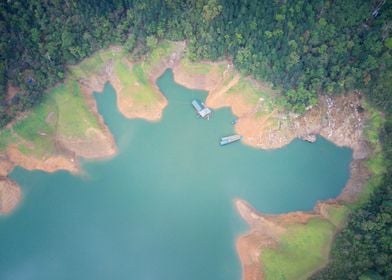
x: 197, y: 105
x: 201, y: 109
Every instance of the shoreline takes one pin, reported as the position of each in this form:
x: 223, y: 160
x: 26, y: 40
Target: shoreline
x: 337, y: 119
x: 100, y: 144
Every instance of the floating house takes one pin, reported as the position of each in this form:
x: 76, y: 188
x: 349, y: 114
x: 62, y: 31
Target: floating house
x: 201, y: 109
x: 229, y: 139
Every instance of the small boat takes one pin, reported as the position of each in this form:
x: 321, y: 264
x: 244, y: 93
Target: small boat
x: 229, y: 139
x: 233, y: 122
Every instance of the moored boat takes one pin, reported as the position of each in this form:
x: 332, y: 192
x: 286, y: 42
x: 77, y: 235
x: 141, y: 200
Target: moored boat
x: 230, y: 139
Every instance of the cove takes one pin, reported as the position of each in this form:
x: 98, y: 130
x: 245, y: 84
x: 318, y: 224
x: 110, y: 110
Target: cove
x: 162, y: 208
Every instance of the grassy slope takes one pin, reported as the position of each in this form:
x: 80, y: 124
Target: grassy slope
x: 135, y: 79
x: 301, y: 249
x: 74, y: 116
x: 375, y: 163
x: 305, y: 248
x: 253, y: 94
x: 142, y: 90
x: 196, y: 67
x: 64, y: 111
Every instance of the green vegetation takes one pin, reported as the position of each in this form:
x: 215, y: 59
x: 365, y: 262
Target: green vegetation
x: 375, y: 123
x: 146, y: 94
x: 34, y: 133
x: 199, y: 68
x: 254, y: 94
x: 155, y: 56
x: 338, y: 215
x: 63, y: 113
x: 6, y: 138
x: 377, y: 162
x: 301, y: 249
x: 362, y: 249
x: 95, y: 64
x: 74, y: 117
x: 348, y: 251
x: 135, y: 78
x: 302, y: 47
x: 135, y: 83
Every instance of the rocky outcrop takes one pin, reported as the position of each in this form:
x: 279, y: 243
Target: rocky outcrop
x: 10, y: 195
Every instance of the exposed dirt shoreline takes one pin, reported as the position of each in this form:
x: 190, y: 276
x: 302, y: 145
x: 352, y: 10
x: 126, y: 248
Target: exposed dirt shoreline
x: 338, y: 119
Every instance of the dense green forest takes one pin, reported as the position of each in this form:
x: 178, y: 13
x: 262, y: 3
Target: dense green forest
x: 305, y: 48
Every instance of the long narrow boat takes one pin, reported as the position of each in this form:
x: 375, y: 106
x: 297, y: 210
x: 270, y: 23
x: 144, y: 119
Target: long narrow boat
x: 229, y: 139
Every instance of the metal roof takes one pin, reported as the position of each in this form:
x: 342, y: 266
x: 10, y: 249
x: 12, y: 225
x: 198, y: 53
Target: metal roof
x: 197, y: 105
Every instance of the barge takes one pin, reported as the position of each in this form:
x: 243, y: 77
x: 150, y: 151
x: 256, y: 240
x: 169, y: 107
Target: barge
x: 230, y: 139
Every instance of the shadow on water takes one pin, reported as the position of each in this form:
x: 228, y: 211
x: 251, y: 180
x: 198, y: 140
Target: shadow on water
x: 162, y: 207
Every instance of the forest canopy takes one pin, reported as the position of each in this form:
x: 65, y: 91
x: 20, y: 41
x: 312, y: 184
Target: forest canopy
x: 304, y: 48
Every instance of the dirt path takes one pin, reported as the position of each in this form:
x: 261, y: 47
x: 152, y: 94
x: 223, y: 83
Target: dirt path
x: 215, y: 96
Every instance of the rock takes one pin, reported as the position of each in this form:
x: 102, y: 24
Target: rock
x: 311, y: 138
x: 9, y: 196
x: 361, y: 150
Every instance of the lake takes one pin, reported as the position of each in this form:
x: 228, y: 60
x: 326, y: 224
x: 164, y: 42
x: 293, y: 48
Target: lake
x: 162, y: 208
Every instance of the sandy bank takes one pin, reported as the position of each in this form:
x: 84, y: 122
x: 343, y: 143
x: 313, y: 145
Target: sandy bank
x: 10, y: 195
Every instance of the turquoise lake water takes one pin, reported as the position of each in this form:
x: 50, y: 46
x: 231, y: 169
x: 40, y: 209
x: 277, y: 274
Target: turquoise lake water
x: 163, y: 207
